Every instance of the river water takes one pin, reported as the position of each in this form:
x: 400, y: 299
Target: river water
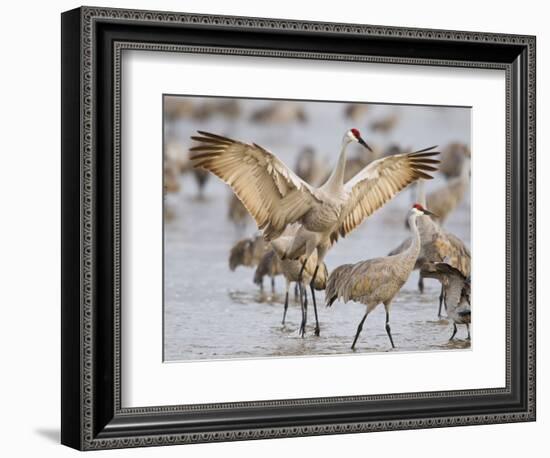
x: 213, y: 313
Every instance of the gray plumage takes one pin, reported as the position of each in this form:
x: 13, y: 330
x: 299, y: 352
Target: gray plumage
x: 247, y: 252
x: 303, y: 272
x: 377, y: 280
x: 445, y: 200
x: 452, y: 158
x: 291, y: 271
x: 355, y: 111
x: 386, y: 124
x: 237, y: 213
x: 269, y: 266
x: 280, y: 113
x: 456, y: 289
x: 276, y: 197
x: 309, y: 167
x: 436, y: 245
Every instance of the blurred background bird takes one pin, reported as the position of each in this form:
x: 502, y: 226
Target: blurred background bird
x: 269, y: 266
x: 448, y: 197
x: 356, y: 111
x: 247, y: 252
x: 279, y: 113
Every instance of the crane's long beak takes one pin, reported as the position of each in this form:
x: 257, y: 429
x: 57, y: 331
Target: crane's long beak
x: 429, y: 213
x: 364, y: 143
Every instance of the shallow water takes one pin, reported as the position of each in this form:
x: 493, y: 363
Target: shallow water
x: 213, y: 313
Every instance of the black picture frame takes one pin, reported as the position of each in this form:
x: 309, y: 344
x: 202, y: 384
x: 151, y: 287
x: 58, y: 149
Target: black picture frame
x: 92, y: 40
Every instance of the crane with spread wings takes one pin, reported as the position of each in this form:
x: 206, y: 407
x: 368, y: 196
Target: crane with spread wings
x: 276, y: 197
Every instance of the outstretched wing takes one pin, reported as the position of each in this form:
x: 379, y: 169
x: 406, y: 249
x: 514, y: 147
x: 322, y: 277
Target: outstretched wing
x: 271, y: 192
x: 380, y: 181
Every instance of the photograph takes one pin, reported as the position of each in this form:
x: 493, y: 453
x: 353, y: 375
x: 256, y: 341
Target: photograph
x: 302, y: 228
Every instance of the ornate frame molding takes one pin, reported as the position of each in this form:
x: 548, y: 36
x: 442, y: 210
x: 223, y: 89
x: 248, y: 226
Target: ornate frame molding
x: 89, y: 17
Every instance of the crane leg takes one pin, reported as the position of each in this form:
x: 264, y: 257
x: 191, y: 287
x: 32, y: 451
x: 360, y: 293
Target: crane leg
x: 302, y: 271
x: 303, y: 297
x: 454, y: 331
x: 441, y: 301
x: 317, y: 327
x: 302, y: 309
x: 420, y: 283
x: 272, y: 284
x: 359, y: 329
x: 305, y: 310
x: 388, y: 329
x: 286, y: 303
x: 296, y: 291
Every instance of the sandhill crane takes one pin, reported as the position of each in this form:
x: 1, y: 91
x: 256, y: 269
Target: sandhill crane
x: 230, y: 108
x: 201, y: 177
x: 171, y: 185
x: 308, y: 167
x: 394, y: 148
x: 272, y: 266
x: 269, y: 265
x: 303, y: 271
x: 384, y: 125
x: 177, y: 108
x: 292, y: 271
x: 452, y: 158
x: 171, y: 181
x: 377, y: 280
x: 276, y: 197
x: 436, y: 245
x: 355, y: 164
x: 174, y: 158
x: 247, y: 252
x: 444, y: 200
x: 456, y: 291
x: 177, y: 158
x: 355, y: 111
x: 280, y: 113
x: 226, y: 108
x: 237, y: 213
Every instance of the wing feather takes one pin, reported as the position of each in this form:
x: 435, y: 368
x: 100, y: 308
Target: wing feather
x: 380, y: 181
x: 270, y: 191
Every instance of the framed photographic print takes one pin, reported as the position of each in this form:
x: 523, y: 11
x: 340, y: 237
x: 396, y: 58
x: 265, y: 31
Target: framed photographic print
x: 276, y: 228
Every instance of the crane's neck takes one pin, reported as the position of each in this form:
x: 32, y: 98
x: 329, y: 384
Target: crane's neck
x: 335, y: 181
x: 414, y: 248
x: 421, y: 192
x: 426, y: 225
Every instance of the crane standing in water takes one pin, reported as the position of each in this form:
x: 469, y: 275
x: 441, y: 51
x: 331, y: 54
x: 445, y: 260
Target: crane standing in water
x: 276, y: 197
x: 437, y: 244
x: 376, y: 281
x: 247, y: 252
x: 270, y: 266
x: 300, y: 271
x: 456, y: 290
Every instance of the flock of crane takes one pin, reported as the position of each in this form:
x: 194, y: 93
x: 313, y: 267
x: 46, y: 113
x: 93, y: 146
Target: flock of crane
x: 302, y: 214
